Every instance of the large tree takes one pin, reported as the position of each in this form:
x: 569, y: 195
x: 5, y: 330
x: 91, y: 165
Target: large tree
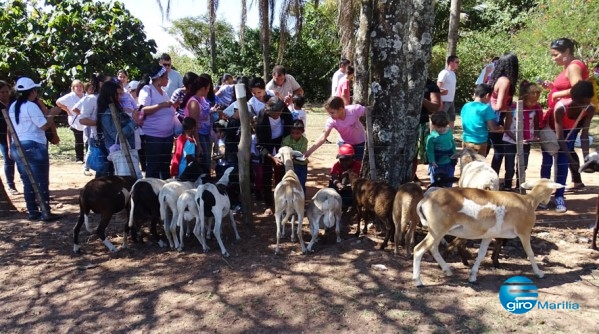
x: 401, y: 45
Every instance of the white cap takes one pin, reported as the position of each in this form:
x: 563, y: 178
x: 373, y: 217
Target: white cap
x: 25, y: 83
x: 133, y: 85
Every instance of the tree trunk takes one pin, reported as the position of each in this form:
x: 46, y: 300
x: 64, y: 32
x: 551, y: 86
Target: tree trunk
x: 362, y: 74
x: 265, y: 37
x: 345, y: 21
x: 454, y: 24
x: 401, y: 45
x: 212, y: 6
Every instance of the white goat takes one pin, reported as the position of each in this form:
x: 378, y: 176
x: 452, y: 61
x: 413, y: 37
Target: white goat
x: 168, y: 196
x: 475, y: 173
x: 405, y: 216
x: 187, y: 210
x: 289, y: 199
x: 326, y: 207
x: 480, y: 214
x: 212, y: 201
x: 591, y: 162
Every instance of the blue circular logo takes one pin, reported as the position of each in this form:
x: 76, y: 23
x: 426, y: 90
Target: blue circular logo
x: 518, y: 295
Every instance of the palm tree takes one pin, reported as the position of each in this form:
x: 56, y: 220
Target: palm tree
x: 454, y: 23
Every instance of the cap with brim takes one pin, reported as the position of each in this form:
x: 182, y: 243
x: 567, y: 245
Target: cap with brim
x: 133, y: 85
x: 25, y: 83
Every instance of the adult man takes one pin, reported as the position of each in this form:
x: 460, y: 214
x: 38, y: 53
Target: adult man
x: 175, y: 80
x: 340, y: 73
x: 284, y: 85
x: 447, y: 81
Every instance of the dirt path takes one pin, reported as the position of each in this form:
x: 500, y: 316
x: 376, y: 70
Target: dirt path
x: 46, y: 288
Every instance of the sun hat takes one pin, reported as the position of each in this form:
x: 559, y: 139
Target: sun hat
x: 25, y: 83
x: 133, y: 85
x: 345, y: 151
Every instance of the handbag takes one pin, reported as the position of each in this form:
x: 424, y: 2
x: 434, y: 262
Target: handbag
x: 96, y: 157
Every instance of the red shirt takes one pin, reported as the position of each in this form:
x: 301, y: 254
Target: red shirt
x: 355, y: 167
x: 562, y: 83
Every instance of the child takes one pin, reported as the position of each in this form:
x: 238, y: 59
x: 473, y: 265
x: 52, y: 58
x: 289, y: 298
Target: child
x: 440, y: 147
x: 529, y: 93
x: 478, y: 118
x: 339, y: 180
x: 185, y: 148
x: 298, y: 112
x: 219, y: 148
x: 343, y: 89
x: 298, y: 142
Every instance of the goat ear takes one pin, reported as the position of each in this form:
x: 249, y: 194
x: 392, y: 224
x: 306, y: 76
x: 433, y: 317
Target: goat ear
x: 456, y: 155
x: 528, y: 184
x: 300, y: 158
x: 297, y: 153
x: 278, y: 155
x: 554, y: 185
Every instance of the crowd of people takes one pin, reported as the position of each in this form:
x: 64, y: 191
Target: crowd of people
x: 184, y: 126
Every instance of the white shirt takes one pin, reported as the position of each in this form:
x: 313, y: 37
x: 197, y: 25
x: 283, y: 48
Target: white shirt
x: 31, y: 119
x: 287, y: 88
x: 175, y: 80
x: 449, y: 81
x: 69, y: 100
x: 88, y: 106
x: 336, y: 77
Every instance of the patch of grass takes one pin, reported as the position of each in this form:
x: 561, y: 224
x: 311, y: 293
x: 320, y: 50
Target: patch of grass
x: 65, y: 150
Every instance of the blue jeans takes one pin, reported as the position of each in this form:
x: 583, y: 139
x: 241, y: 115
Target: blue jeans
x: 562, y: 164
x: 39, y: 161
x: 158, y: 156
x: 510, y: 163
x: 206, y: 151
x: 302, y: 174
x: 447, y: 169
x: 9, y: 166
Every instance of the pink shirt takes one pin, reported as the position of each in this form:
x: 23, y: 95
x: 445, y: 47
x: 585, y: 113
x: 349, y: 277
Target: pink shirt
x: 350, y: 129
x: 343, y: 89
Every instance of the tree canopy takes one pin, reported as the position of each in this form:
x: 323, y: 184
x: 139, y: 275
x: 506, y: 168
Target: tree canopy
x: 69, y: 39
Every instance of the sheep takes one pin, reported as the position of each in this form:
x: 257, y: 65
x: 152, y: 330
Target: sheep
x: 105, y: 196
x: 474, y: 172
x: 479, y: 214
x: 167, y: 197
x: 144, y: 206
x: 376, y: 197
x: 212, y: 201
x: 405, y: 216
x: 326, y: 204
x: 289, y: 199
x: 591, y: 163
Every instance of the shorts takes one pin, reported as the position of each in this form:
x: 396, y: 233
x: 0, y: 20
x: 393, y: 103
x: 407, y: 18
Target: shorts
x: 449, y: 110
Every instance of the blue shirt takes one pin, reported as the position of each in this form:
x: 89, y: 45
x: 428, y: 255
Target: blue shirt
x: 440, y: 147
x: 475, y: 115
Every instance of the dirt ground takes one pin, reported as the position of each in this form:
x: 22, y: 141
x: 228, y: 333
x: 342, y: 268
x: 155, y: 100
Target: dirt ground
x: 45, y: 288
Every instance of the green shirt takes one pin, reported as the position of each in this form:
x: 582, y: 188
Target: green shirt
x: 300, y: 145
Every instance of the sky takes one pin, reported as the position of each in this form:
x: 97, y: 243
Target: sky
x: 149, y: 13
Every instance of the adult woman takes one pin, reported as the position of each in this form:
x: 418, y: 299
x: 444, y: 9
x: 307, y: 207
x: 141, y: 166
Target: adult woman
x: 504, y: 79
x: 30, y: 125
x: 87, y: 108
x: 123, y: 79
x: 157, y: 124
x: 567, y: 118
x: 66, y: 103
x: 110, y: 93
x: 562, y: 53
x: 195, y: 106
x: 9, y: 164
x: 273, y: 123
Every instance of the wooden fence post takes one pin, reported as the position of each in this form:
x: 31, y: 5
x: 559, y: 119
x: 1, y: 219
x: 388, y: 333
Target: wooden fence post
x: 520, y: 145
x: 124, y: 143
x: 243, y: 157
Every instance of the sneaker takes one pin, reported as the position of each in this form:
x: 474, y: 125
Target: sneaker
x: 35, y: 217
x: 576, y: 186
x: 87, y: 172
x: 13, y: 191
x: 79, y: 162
x: 560, y: 204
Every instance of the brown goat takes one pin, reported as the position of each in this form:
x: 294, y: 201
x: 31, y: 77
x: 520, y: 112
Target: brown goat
x: 376, y: 197
x: 405, y: 215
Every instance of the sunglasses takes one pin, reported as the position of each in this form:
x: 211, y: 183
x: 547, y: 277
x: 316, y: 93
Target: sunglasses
x: 167, y: 65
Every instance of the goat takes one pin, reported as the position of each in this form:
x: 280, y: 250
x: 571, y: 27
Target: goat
x: 591, y: 163
x: 167, y: 197
x: 144, y: 206
x: 325, y: 205
x: 187, y: 209
x: 405, y: 216
x: 376, y: 197
x: 479, y: 214
x: 212, y: 201
x: 105, y: 196
x: 289, y: 199
x: 475, y: 173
